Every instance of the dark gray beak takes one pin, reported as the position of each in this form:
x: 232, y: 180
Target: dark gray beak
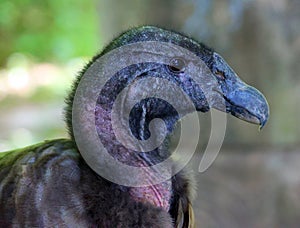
x: 243, y: 101
x: 248, y: 104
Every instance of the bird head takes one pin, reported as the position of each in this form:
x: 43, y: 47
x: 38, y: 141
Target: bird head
x: 143, y: 61
x: 227, y: 93
x: 241, y: 100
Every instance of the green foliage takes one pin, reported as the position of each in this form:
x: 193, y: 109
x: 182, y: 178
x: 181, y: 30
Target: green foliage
x: 48, y: 30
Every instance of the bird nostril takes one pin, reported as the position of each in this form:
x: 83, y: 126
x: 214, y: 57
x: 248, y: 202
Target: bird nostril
x: 220, y: 74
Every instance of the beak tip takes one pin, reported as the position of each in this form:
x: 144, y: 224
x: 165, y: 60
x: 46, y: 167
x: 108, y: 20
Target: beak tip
x: 261, y: 126
x: 264, y: 118
x: 263, y: 123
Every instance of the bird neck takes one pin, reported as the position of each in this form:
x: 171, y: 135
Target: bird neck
x: 140, y: 117
x: 158, y: 195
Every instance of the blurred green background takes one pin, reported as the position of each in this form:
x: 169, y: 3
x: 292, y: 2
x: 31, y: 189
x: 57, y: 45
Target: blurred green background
x: 255, y: 181
x: 43, y: 44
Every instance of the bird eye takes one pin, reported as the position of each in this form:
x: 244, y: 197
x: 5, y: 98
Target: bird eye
x: 220, y: 74
x: 176, y: 65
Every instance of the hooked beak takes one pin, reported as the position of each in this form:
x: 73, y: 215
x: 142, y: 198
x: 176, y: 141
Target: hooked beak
x: 241, y: 100
x: 248, y: 104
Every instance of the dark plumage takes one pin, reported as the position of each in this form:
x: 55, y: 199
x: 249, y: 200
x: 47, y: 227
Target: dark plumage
x: 50, y: 184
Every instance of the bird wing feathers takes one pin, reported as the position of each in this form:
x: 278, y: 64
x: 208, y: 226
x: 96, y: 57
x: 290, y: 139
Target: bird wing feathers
x: 185, y: 219
x: 183, y: 194
x: 49, y: 184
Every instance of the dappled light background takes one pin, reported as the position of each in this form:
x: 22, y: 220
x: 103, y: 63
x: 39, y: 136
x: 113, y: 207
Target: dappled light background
x: 255, y: 181
x: 42, y: 47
